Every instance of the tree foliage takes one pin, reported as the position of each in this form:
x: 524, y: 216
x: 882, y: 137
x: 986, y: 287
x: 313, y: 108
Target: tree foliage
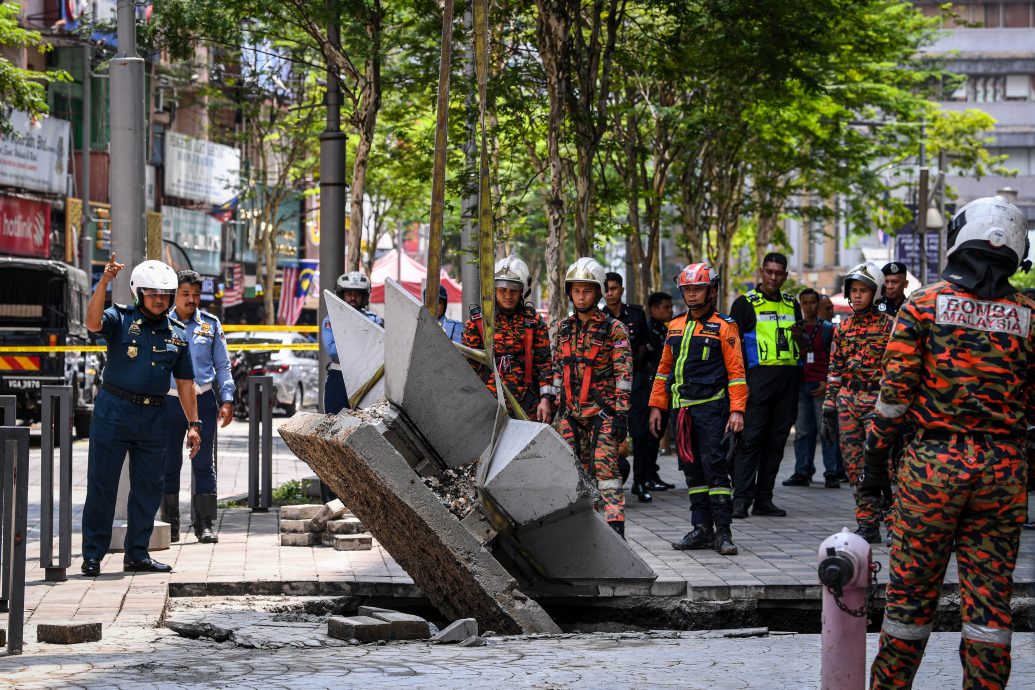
x: 22, y: 89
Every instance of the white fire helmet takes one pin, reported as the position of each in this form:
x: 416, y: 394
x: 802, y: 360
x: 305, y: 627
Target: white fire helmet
x: 586, y: 270
x: 994, y: 220
x: 152, y: 275
x: 868, y: 273
x: 511, y: 272
x: 353, y: 280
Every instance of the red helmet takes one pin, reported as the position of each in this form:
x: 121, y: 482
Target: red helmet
x: 697, y: 274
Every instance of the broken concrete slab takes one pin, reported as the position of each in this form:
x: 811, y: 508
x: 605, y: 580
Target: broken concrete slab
x: 303, y: 511
x: 420, y: 355
x: 362, y: 628
x: 457, y: 631
x: 295, y: 526
x: 75, y: 632
x: 473, y: 641
x: 347, y: 542
x: 306, y: 539
x: 355, y: 333
x: 457, y: 574
x: 331, y: 511
x: 345, y: 526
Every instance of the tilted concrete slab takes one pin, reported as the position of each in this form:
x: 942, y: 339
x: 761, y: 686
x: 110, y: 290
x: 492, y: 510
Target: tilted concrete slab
x: 459, y: 576
x: 361, y: 348
x: 433, y: 384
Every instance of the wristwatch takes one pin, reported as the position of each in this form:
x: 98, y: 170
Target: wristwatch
x: 194, y: 425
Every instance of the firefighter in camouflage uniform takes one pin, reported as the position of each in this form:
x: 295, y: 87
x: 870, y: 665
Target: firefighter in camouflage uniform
x: 960, y: 366
x: 592, y: 377
x: 521, y: 341
x: 853, y: 381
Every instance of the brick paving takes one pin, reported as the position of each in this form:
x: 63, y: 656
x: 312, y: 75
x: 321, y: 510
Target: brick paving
x: 777, y: 555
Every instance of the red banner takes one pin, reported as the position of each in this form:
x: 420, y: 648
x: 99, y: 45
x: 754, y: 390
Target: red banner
x: 24, y: 227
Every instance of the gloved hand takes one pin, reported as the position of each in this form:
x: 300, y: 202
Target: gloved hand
x: 875, y: 479
x: 730, y: 446
x: 828, y: 431
x: 619, y: 427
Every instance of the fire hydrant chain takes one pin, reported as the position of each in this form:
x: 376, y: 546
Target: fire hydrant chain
x: 865, y: 606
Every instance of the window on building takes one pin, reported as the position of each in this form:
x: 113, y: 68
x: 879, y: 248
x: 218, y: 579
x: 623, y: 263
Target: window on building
x: 1017, y: 15
x: 1018, y: 87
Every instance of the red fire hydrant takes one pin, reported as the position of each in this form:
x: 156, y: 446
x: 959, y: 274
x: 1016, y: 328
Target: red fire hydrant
x: 846, y: 572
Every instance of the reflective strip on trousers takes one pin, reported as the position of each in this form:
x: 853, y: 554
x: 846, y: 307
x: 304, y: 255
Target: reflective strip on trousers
x: 697, y: 490
x: 907, y: 631
x: 720, y: 491
x: 609, y: 484
x: 984, y: 633
x: 889, y: 410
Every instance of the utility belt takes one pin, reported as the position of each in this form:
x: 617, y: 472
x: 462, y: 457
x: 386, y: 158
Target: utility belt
x: 333, y: 366
x: 862, y: 386
x: 198, y: 390
x: 149, y: 400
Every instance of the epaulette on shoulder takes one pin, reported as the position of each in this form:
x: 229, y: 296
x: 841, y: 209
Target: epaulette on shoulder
x: 176, y: 322
x: 725, y: 317
x: 753, y: 296
x: 209, y: 315
x: 787, y: 297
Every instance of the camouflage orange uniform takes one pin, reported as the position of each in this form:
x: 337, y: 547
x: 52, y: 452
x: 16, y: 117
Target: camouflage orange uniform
x: 592, y: 374
x: 522, y: 349
x: 853, y: 381
x: 962, y: 371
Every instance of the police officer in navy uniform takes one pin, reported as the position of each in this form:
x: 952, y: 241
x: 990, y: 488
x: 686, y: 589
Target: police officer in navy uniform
x: 894, y: 288
x: 145, y: 346
x: 214, y: 387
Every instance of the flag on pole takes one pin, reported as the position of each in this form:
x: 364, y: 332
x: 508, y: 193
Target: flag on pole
x: 297, y: 282
x: 233, y: 291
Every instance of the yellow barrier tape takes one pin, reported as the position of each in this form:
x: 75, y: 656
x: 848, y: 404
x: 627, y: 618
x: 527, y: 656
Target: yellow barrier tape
x: 265, y: 328
x: 234, y: 347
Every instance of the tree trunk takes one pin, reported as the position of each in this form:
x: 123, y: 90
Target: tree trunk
x: 365, y: 121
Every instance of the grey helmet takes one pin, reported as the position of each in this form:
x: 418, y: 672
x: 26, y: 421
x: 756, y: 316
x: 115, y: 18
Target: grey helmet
x: 353, y: 280
x: 994, y: 220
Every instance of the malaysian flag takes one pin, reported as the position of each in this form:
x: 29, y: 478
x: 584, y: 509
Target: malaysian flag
x: 233, y: 291
x: 293, y: 290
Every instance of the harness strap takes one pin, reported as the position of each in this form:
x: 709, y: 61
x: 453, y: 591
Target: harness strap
x: 529, y: 334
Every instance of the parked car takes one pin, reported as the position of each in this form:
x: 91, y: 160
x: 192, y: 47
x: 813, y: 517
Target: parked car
x: 296, y: 375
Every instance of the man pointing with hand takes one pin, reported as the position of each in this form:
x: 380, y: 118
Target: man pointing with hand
x: 145, y: 346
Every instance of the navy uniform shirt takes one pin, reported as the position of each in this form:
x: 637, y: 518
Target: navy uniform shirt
x: 886, y: 306
x: 208, y: 354
x: 142, y: 353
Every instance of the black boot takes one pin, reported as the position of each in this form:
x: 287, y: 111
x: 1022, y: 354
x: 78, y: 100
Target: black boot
x: 170, y: 512
x: 699, y: 538
x: 658, y: 485
x: 740, y: 508
x: 723, y: 543
x: 204, y: 516
x: 765, y: 506
x: 871, y: 533
x: 640, y: 490
x: 618, y: 526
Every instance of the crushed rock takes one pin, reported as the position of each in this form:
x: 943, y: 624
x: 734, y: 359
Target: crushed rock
x: 455, y: 489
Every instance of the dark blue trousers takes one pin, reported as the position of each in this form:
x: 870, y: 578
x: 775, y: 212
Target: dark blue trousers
x: 202, y: 466
x: 335, y: 399
x: 120, y: 426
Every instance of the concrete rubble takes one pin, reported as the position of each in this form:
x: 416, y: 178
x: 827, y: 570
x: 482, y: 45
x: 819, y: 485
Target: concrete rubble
x: 323, y: 525
x: 457, y: 631
x: 438, y: 448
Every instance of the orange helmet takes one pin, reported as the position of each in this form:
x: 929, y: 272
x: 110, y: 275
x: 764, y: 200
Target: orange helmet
x: 697, y: 274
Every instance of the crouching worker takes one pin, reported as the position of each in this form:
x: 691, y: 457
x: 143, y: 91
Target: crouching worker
x: 701, y: 377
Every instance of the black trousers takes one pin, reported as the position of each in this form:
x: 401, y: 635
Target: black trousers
x: 645, y: 453
x: 771, y: 411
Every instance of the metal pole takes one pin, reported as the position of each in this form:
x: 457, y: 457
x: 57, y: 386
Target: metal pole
x: 85, y: 230
x: 8, y: 417
x: 469, y: 277
x: 253, y: 445
x: 128, y: 167
x: 14, y: 443
x: 921, y: 224
x: 332, y: 186
x: 943, y: 229
x: 61, y: 424
x: 260, y: 450
x: 267, y: 444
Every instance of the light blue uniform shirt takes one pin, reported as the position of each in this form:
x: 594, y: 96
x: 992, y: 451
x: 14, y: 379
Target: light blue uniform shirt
x: 454, y: 329
x: 208, y: 353
x: 327, y: 335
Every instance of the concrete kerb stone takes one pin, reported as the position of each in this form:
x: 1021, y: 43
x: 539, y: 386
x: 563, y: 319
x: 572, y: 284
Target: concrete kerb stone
x: 331, y: 511
x: 362, y: 628
x: 404, y: 625
x: 68, y: 633
x: 345, y: 526
x: 305, y: 511
x: 306, y: 539
x: 298, y: 526
x: 457, y: 574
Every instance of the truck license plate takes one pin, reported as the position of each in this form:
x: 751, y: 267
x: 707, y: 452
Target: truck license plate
x: 22, y: 384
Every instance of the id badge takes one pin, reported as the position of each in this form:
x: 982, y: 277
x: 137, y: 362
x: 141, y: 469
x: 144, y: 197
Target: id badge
x: 810, y: 357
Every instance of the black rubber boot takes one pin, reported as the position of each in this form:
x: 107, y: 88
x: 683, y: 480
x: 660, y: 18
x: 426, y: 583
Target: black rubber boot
x: 204, y: 517
x: 170, y: 512
x: 723, y: 543
x: 700, y: 537
x: 871, y: 533
x: 618, y: 526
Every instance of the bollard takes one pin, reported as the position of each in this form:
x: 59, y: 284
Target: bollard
x: 56, y: 419
x: 8, y: 417
x: 846, y: 571
x: 260, y: 464
x: 14, y: 499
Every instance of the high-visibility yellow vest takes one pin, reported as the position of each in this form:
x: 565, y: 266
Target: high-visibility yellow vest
x: 771, y: 343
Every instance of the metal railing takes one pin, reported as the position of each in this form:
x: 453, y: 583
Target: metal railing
x: 56, y: 420
x: 14, y: 499
x: 260, y: 459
